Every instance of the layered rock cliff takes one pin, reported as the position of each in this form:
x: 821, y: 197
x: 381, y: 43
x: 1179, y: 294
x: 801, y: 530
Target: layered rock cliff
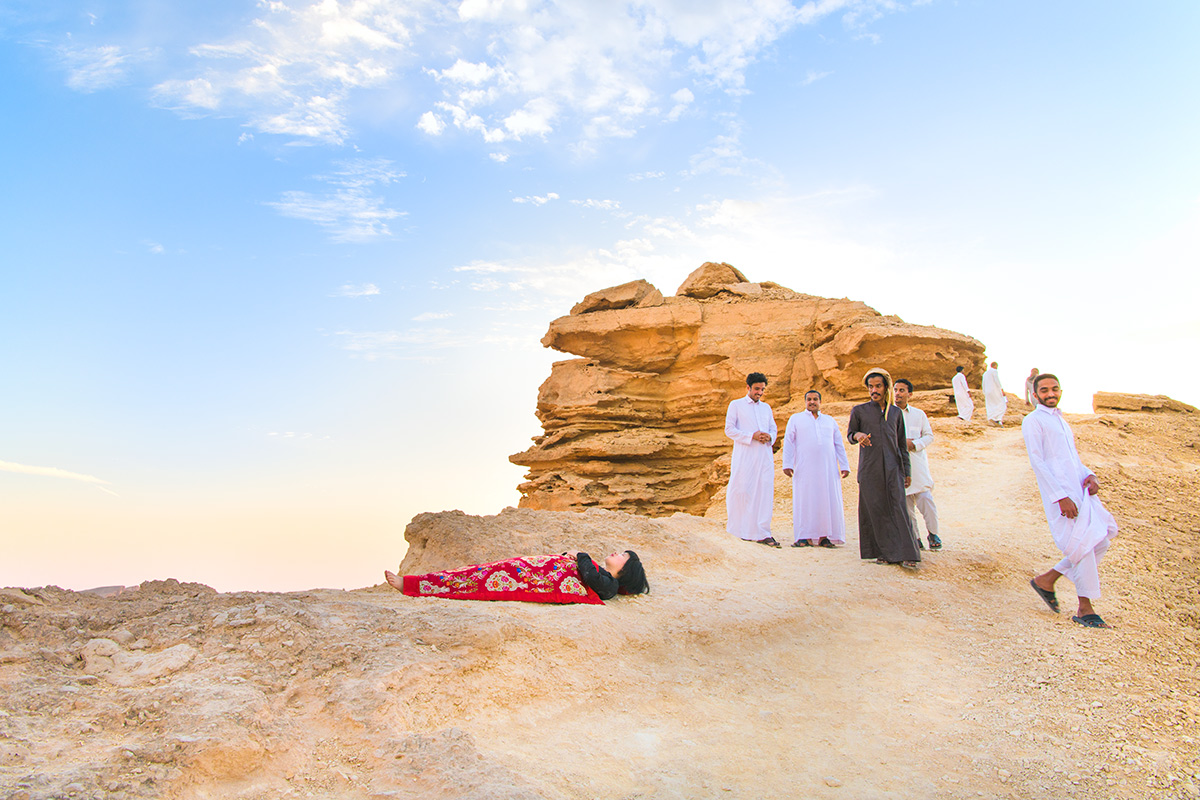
x: 637, y: 422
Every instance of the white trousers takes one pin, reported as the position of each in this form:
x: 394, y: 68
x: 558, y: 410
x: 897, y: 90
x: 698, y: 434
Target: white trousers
x: 1086, y: 574
x: 923, y: 501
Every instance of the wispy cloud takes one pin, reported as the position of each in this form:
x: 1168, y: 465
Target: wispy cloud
x: 90, y: 69
x: 537, y: 200
x: 812, y: 76
x: 352, y: 212
x: 432, y: 315
x: 647, y: 176
x: 55, y: 472
x: 600, y: 205
x: 356, y: 290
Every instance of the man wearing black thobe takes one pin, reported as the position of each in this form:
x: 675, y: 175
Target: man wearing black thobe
x: 884, y: 528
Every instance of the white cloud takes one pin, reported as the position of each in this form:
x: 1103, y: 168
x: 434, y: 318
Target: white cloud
x: 499, y: 158
x: 53, y: 472
x: 600, y: 205
x: 813, y: 76
x: 432, y: 315
x: 431, y: 124
x: 90, y: 69
x: 647, y: 176
x: 352, y: 212
x: 154, y: 248
x: 357, y: 290
x: 536, y: 200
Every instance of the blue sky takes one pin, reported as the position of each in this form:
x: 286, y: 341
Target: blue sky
x: 275, y: 274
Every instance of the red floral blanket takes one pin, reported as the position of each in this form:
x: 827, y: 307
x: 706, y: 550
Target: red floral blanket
x: 535, y: 579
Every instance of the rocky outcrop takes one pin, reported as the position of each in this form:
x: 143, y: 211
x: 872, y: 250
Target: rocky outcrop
x: 637, y: 422
x: 1116, y: 401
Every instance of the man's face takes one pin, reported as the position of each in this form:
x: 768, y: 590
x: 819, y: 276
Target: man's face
x: 812, y: 401
x: 902, y: 395
x: 1048, y: 392
x: 876, y: 388
x: 756, y: 391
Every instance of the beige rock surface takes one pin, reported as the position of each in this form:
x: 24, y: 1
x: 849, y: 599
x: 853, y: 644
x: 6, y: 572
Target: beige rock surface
x: 1116, y: 401
x: 747, y: 673
x: 637, y: 423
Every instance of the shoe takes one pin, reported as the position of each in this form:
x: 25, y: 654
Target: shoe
x: 935, y: 543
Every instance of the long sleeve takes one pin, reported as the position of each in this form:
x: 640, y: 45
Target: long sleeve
x: 855, y: 426
x: 902, y: 444
x: 839, y: 449
x: 731, y: 426
x: 922, y: 436
x: 1033, y: 429
x: 788, y: 457
x: 772, y: 428
x: 596, y: 578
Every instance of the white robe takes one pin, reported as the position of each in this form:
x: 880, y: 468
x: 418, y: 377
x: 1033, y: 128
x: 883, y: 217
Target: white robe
x: 1055, y: 461
x: 812, y: 447
x: 993, y: 393
x: 917, y: 428
x: 962, y: 396
x: 750, y: 495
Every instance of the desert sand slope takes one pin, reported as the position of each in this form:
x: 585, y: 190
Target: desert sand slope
x: 748, y: 673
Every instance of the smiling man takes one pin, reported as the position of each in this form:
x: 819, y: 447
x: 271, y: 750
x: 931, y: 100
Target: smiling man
x: 1080, y: 524
x: 750, y: 495
x: 885, y: 532
x: 815, y: 459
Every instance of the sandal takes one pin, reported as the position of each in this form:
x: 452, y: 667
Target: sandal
x: 769, y: 542
x: 935, y: 543
x: 825, y: 542
x: 1091, y: 621
x: 1049, y: 597
x: 802, y: 543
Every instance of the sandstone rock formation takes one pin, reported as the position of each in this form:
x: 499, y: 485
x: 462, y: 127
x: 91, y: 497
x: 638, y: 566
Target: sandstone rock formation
x: 1116, y: 401
x: 637, y: 422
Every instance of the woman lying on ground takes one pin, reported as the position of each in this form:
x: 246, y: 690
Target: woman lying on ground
x: 572, y: 577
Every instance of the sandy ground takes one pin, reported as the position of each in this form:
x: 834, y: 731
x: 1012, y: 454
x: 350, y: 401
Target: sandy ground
x: 749, y: 672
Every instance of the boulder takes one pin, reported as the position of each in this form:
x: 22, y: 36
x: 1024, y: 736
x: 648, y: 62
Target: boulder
x: 1158, y: 403
x: 639, y: 293
x: 637, y: 422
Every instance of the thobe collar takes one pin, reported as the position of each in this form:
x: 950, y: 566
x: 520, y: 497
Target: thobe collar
x: 1054, y: 412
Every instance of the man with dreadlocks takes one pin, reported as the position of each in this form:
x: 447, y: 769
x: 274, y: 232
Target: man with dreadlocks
x: 885, y: 530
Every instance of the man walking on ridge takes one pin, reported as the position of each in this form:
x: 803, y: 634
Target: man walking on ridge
x: 815, y: 459
x: 885, y: 532
x: 1081, y: 526
x: 750, y: 495
x: 962, y: 395
x: 996, y: 403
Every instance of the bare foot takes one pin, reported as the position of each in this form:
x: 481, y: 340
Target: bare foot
x: 393, y: 580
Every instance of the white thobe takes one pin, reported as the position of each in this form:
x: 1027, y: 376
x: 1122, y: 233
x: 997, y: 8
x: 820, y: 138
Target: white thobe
x: 1060, y: 473
x: 962, y: 396
x: 750, y: 495
x: 919, y: 494
x: 813, y: 449
x: 993, y: 394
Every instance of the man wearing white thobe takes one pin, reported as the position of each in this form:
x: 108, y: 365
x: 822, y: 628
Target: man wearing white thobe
x: 750, y: 495
x: 813, y: 457
x: 1081, y: 526
x: 993, y: 394
x: 962, y: 395
x: 919, y: 494
x: 1030, y: 397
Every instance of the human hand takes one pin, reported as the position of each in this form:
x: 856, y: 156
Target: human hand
x: 1091, y: 484
x: 762, y: 436
x: 907, y: 481
x: 787, y: 471
x: 1069, y: 509
x: 912, y: 446
x: 845, y: 473
x: 864, y: 439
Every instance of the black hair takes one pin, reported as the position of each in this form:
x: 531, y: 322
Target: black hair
x: 632, y: 577
x: 958, y: 369
x: 1041, y: 377
x: 867, y: 380
x: 813, y: 391
x: 755, y: 377
x: 906, y: 382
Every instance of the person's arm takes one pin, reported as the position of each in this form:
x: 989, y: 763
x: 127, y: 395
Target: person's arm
x: 901, y: 442
x: 924, y: 434
x: 1035, y: 444
x: 854, y: 427
x: 731, y: 426
x: 595, y: 578
x: 839, y: 450
x: 787, y: 457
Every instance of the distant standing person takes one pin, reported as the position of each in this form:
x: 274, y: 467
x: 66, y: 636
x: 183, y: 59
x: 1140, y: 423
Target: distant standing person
x: 750, y: 495
x: 962, y: 395
x: 885, y: 532
x: 813, y: 457
x: 1030, y: 397
x: 993, y: 395
x: 919, y: 494
x: 1081, y: 526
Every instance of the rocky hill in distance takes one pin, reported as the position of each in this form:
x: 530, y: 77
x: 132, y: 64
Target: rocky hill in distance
x: 636, y: 423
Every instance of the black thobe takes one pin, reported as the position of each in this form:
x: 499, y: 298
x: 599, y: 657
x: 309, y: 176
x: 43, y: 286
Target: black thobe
x: 884, y: 527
